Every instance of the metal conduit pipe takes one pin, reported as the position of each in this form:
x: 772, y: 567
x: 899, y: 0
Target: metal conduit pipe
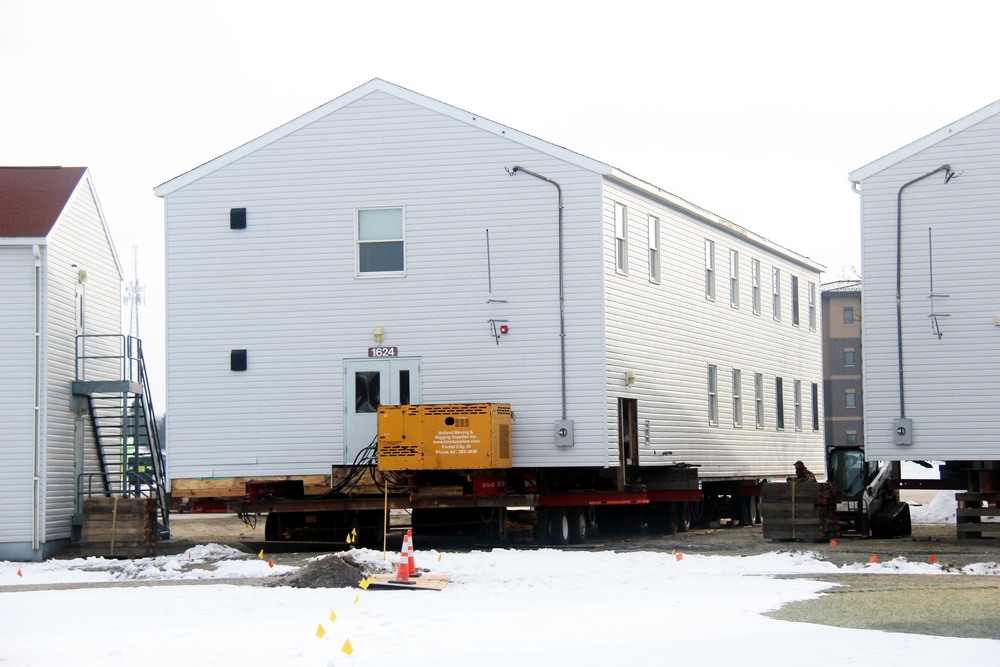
x: 562, y: 317
x: 899, y: 273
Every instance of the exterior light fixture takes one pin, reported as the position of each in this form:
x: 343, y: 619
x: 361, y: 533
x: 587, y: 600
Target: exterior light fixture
x: 378, y: 335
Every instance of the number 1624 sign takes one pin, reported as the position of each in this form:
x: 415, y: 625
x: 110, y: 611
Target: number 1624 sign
x: 383, y: 352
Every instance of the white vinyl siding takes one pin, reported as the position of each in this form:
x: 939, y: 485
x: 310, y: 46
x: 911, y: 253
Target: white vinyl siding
x: 304, y: 296
x: 950, y: 383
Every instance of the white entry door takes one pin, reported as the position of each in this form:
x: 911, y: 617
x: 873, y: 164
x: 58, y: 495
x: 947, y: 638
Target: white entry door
x: 369, y: 383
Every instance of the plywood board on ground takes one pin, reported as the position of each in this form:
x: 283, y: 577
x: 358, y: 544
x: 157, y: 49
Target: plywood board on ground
x: 427, y: 581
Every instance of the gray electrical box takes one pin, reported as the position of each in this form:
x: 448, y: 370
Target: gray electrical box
x: 902, y: 431
x: 564, y: 433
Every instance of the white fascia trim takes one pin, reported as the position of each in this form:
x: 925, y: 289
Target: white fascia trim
x: 684, y: 206
x: 915, y: 147
x: 26, y: 241
x: 347, y: 98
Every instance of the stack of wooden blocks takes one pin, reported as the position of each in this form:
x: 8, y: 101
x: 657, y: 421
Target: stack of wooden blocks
x: 119, y: 527
x: 799, y: 511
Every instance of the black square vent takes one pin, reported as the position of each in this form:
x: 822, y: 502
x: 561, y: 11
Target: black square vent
x: 238, y: 360
x: 237, y: 218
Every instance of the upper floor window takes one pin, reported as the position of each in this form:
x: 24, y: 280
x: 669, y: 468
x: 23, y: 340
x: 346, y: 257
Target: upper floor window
x: 849, y: 315
x: 755, y: 283
x: 795, y: 301
x: 758, y: 399
x: 849, y: 359
x: 850, y: 398
x: 621, y: 238
x: 776, y: 293
x: 737, y: 397
x: 797, y: 396
x: 654, y: 249
x: 812, y: 306
x: 734, y: 279
x: 710, y: 270
x: 380, y: 241
x: 779, y: 403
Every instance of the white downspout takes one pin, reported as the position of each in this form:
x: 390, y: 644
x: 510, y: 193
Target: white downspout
x: 36, y: 487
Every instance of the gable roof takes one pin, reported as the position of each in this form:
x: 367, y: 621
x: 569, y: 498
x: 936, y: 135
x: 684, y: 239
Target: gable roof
x: 33, y: 198
x: 601, y: 168
x: 915, y: 147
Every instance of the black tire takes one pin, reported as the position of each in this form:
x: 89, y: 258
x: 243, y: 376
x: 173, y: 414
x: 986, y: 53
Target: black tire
x: 577, y: 525
x: 559, y: 526
x: 683, y: 517
x: 661, y: 518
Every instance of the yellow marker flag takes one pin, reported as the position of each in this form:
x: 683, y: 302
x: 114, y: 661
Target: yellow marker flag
x: 333, y: 616
x: 320, y: 632
x: 371, y: 579
x: 261, y: 554
x: 346, y: 648
x: 363, y: 583
x: 356, y: 598
x: 439, y: 557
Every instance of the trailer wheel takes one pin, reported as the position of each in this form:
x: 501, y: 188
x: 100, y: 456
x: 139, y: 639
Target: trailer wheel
x: 559, y: 526
x: 661, y: 518
x: 683, y: 517
x: 577, y: 526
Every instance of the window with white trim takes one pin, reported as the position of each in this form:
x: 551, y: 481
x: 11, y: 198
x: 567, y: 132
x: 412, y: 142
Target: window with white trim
x: 621, y: 238
x: 654, y: 249
x: 797, y: 395
x: 849, y: 359
x: 755, y: 283
x: 710, y: 270
x: 713, y: 395
x: 779, y: 403
x: 815, y: 406
x: 737, y: 397
x: 795, y: 301
x: 850, y: 399
x: 758, y: 399
x: 734, y: 278
x: 776, y: 293
x: 380, y: 241
x: 812, y: 306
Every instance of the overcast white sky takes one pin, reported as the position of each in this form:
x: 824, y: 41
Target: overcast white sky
x: 755, y: 111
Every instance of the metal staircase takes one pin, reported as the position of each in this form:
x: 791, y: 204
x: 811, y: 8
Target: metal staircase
x: 120, y: 405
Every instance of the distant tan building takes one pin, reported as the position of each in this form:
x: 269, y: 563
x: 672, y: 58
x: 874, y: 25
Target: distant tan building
x: 842, y: 379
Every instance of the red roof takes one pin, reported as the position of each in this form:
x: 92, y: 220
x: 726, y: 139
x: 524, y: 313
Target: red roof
x: 31, y: 198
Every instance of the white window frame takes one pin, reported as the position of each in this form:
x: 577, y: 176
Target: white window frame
x: 776, y: 293
x: 621, y: 238
x: 654, y: 249
x: 358, y: 242
x: 713, y: 395
x: 737, y: 398
x: 734, y: 278
x: 812, y: 306
x: 795, y: 300
x: 755, y: 283
x: 851, y: 403
x: 815, y: 406
x: 797, y: 396
x: 779, y: 403
x: 758, y: 399
x: 710, y: 269
x: 854, y: 357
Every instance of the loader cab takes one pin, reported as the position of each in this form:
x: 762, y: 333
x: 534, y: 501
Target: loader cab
x: 849, y: 471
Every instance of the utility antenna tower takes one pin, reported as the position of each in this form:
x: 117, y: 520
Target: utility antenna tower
x: 134, y: 296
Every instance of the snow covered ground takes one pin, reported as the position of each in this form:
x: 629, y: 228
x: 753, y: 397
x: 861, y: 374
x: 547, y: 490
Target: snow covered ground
x: 501, y: 607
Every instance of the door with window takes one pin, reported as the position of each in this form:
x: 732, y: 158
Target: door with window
x: 369, y: 383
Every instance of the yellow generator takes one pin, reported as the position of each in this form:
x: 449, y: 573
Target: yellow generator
x: 444, y: 437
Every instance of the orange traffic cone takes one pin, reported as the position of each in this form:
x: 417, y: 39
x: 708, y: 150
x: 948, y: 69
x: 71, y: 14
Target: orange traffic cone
x: 402, y: 568
x: 410, y: 564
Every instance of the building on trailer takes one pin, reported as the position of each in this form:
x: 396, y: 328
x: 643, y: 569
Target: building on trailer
x: 931, y: 332
x: 388, y: 248
x: 59, y: 278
